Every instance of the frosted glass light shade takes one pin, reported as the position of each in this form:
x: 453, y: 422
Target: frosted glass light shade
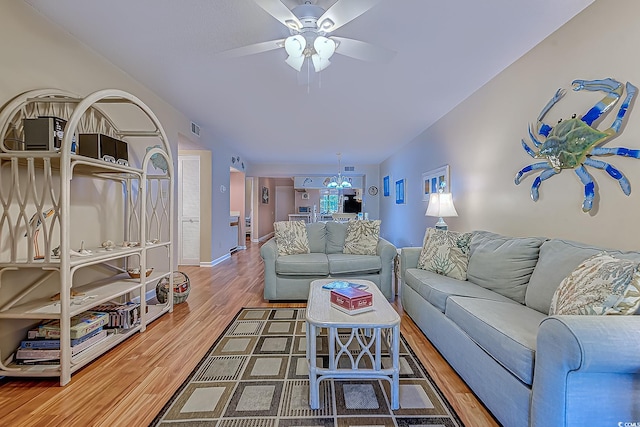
x: 441, y: 205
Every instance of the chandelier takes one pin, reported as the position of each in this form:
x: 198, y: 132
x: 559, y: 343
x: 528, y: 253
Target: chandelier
x: 338, y: 181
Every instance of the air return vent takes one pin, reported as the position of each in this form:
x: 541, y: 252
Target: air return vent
x: 349, y: 168
x: 195, y: 129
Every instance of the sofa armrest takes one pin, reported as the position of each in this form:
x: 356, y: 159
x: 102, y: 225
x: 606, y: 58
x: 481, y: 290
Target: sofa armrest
x: 387, y: 253
x: 581, y: 359
x: 269, y: 253
x: 409, y: 258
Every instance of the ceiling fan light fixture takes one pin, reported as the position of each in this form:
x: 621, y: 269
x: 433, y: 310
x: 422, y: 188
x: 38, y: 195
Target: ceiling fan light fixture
x: 295, y: 62
x: 324, y: 47
x: 319, y: 64
x: 295, y: 45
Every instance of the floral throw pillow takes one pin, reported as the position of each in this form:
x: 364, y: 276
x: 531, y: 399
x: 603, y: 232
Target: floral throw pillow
x: 291, y: 237
x: 446, y: 253
x: 600, y: 285
x: 362, y: 237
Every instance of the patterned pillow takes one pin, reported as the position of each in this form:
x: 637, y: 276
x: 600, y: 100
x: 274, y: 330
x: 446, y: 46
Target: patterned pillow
x: 362, y: 237
x: 445, y: 253
x: 291, y: 237
x: 600, y: 285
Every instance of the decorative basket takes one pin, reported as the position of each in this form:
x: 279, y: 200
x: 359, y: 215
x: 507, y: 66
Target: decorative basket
x: 181, y: 288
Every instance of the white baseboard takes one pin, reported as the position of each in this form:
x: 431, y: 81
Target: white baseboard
x: 264, y: 238
x: 215, y: 261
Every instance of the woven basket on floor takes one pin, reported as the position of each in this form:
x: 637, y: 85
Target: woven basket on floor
x: 181, y: 288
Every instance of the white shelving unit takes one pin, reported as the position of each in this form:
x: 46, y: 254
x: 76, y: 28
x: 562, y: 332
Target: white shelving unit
x: 46, y: 208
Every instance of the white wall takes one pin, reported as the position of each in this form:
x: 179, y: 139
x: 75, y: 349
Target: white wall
x: 480, y: 140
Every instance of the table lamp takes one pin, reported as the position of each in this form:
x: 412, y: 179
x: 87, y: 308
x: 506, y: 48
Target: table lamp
x: 441, y: 205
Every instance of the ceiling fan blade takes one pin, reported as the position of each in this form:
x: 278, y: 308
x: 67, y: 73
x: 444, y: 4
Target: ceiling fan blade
x: 281, y: 12
x: 342, y: 12
x: 252, y: 49
x: 363, y: 51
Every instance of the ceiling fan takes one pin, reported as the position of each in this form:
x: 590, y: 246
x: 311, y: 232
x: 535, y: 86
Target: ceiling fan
x: 311, y: 28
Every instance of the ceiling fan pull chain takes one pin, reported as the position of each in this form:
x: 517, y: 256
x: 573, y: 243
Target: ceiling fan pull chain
x: 308, y: 77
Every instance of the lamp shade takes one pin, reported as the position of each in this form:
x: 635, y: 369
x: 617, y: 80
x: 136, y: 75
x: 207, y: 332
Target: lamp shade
x: 441, y: 205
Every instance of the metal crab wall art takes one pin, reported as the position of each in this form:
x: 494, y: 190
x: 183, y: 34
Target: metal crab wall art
x: 572, y: 143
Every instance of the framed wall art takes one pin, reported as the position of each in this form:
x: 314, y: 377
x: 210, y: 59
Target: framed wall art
x: 386, y: 186
x: 435, y: 179
x: 265, y: 195
x: 400, y: 193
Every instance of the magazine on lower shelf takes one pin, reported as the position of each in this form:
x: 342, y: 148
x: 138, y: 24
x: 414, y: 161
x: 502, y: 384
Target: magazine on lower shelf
x: 37, y: 355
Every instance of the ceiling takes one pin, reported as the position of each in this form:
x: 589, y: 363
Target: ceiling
x: 446, y: 50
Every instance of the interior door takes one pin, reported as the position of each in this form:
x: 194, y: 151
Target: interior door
x: 189, y: 210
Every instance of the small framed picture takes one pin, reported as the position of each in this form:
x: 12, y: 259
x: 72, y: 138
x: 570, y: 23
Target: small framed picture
x: 386, y: 191
x: 400, y: 193
x: 265, y: 195
x: 434, y: 180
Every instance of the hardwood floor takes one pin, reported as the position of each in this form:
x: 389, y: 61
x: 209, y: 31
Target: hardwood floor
x: 131, y: 383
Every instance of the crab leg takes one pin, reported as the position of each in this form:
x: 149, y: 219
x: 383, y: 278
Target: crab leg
x: 618, y: 151
x: 528, y: 149
x: 529, y: 168
x: 631, y: 92
x: 543, y: 128
x: 613, y: 172
x: 614, y: 92
x: 589, y: 191
x: 535, y: 194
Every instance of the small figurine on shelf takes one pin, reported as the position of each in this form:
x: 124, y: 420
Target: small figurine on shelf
x: 36, y: 224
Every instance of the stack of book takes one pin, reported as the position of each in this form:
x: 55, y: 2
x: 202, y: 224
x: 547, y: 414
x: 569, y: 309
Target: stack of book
x: 121, y: 316
x: 352, y: 300
x: 43, y: 342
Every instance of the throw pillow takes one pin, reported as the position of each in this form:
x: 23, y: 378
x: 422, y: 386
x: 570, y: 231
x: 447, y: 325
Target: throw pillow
x: 600, y: 285
x: 362, y: 237
x: 445, y: 253
x: 291, y: 237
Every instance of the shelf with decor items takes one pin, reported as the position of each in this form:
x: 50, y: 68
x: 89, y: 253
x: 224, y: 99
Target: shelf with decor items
x: 86, y: 218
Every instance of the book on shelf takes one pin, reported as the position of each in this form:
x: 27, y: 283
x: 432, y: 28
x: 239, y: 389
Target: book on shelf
x: 352, y: 300
x: 122, y: 316
x: 53, y: 343
x: 32, y: 355
x: 81, y: 325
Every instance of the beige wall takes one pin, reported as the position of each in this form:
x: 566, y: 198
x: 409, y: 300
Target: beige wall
x: 480, y: 140
x: 37, y: 54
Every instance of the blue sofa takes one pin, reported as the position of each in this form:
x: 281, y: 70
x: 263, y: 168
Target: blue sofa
x: 528, y: 368
x: 287, y: 277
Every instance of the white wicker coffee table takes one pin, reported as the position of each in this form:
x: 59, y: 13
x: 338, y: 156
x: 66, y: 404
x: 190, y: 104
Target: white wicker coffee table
x: 360, y: 344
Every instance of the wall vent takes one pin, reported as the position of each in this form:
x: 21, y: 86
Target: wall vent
x: 349, y: 168
x: 195, y: 129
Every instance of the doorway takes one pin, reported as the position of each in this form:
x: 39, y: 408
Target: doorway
x: 189, y: 210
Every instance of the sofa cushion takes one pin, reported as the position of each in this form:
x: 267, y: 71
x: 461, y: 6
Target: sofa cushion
x: 362, y: 237
x: 348, y: 263
x: 436, y: 288
x: 600, y: 285
x: 312, y: 264
x: 445, y: 252
x: 506, y: 331
x: 317, y: 235
x: 503, y: 264
x: 291, y: 237
x: 336, y: 233
x: 557, y: 259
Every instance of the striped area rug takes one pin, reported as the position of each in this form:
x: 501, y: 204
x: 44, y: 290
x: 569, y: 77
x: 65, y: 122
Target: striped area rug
x: 255, y: 375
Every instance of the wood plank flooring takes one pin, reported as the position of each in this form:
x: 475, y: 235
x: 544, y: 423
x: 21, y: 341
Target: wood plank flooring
x: 131, y: 383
